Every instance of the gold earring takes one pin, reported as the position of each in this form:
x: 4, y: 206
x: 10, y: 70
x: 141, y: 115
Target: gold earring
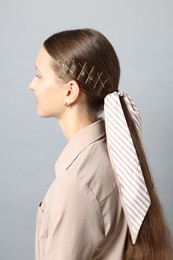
x: 66, y: 104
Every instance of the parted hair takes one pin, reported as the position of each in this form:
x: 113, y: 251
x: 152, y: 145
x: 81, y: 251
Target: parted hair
x: 86, y: 56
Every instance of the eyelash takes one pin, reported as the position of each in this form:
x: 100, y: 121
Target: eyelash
x: 38, y: 76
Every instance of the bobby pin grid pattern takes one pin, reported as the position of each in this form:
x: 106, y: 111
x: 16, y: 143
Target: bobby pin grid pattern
x: 84, y: 73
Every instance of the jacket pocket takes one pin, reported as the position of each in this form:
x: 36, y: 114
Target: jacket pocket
x: 42, y: 230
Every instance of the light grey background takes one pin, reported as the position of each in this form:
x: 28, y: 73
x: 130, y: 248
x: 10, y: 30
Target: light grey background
x: 141, y: 32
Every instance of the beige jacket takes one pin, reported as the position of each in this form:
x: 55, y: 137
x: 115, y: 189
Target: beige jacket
x: 81, y: 217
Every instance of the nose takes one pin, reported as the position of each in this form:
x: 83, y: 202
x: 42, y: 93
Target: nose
x: 31, y: 86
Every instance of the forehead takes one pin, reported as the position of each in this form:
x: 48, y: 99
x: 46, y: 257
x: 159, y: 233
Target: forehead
x: 43, y: 59
x: 44, y: 65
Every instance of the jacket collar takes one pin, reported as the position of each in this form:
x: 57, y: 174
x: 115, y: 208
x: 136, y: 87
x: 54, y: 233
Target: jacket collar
x: 77, y: 144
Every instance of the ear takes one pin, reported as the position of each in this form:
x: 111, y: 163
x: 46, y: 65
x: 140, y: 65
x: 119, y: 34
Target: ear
x: 72, y: 92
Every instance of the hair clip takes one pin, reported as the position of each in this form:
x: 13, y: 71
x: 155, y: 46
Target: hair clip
x: 89, y: 75
x: 102, y: 83
x: 84, y: 75
x: 65, y: 68
x: 82, y: 69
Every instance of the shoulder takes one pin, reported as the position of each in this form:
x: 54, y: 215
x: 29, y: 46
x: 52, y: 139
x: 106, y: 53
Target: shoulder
x: 93, y: 168
x: 90, y: 176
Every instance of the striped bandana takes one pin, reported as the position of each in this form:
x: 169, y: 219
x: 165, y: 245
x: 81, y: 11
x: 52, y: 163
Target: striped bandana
x: 131, y: 184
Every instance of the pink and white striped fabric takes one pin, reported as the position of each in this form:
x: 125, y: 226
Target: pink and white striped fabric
x: 131, y: 184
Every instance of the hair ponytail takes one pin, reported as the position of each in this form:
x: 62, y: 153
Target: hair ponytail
x: 153, y: 242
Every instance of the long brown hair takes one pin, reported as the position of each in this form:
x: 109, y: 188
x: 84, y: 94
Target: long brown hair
x: 86, y: 56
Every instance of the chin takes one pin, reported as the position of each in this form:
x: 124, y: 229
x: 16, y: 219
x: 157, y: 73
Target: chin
x: 43, y: 114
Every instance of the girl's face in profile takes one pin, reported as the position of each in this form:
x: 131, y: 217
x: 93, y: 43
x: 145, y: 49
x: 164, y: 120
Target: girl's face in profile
x: 48, y: 89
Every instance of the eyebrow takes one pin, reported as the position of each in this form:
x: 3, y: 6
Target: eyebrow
x: 37, y: 68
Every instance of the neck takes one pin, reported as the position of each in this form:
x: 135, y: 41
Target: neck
x: 72, y: 123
